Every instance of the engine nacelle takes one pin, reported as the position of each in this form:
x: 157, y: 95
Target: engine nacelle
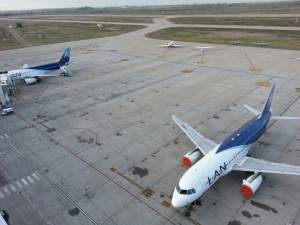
x: 31, y: 80
x: 251, y: 184
x: 191, y: 157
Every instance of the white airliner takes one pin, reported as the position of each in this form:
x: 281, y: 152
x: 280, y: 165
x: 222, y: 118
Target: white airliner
x: 236, y: 42
x: 32, y: 74
x: 170, y: 44
x: 231, y: 154
x: 260, y: 43
x: 204, y: 48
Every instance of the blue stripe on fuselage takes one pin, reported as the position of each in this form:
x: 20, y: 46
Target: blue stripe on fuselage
x: 247, y: 134
x: 51, y: 66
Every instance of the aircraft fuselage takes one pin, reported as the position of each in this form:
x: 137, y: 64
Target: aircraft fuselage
x: 36, y: 71
x: 219, y: 161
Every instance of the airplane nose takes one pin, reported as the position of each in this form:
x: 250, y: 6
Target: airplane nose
x: 177, y: 201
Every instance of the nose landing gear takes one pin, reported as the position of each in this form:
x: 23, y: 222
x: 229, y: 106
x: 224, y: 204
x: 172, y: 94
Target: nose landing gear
x: 190, y: 207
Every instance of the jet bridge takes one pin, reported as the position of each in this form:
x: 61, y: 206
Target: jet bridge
x: 4, y: 88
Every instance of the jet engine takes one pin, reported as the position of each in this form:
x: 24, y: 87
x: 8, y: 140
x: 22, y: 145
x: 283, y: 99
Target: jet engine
x: 30, y: 80
x: 251, y: 184
x: 191, y: 157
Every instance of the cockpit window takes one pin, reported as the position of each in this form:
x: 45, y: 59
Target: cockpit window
x: 185, y: 192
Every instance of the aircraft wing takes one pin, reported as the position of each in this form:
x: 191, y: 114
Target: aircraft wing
x: 163, y: 45
x: 177, y: 45
x: 260, y: 165
x: 204, y: 144
x: 42, y: 75
x: 45, y: 75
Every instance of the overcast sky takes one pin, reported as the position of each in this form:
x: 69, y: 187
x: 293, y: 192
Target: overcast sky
x: 38, y: 4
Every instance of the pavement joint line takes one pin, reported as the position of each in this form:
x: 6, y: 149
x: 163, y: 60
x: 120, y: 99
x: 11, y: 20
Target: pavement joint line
x: 186, y: 217
x: 86, y: 129
x: 41, y: 123
x: 199, y: 66
x: 140, y: 187
x: 139, y: 88
x: 49, y: 180
x: 128, y: 179
x: 83, y: 160
x: 204, y: 120
x: 118, y: 95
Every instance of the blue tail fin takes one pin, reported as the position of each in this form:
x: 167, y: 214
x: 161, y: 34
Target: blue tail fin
x: 65, y: 57
x: 268, y: 102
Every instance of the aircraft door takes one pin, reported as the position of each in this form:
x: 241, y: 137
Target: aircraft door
x: 204, y: 184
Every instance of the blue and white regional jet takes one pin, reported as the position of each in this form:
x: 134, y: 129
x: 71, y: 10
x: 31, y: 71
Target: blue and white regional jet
x: 231, y: 154
x: 33, y: 74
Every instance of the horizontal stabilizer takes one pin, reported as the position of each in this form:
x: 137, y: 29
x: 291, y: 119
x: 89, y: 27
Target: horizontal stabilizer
x: 254, y: 111
x: 25, y: 66
x: 284, y: 118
